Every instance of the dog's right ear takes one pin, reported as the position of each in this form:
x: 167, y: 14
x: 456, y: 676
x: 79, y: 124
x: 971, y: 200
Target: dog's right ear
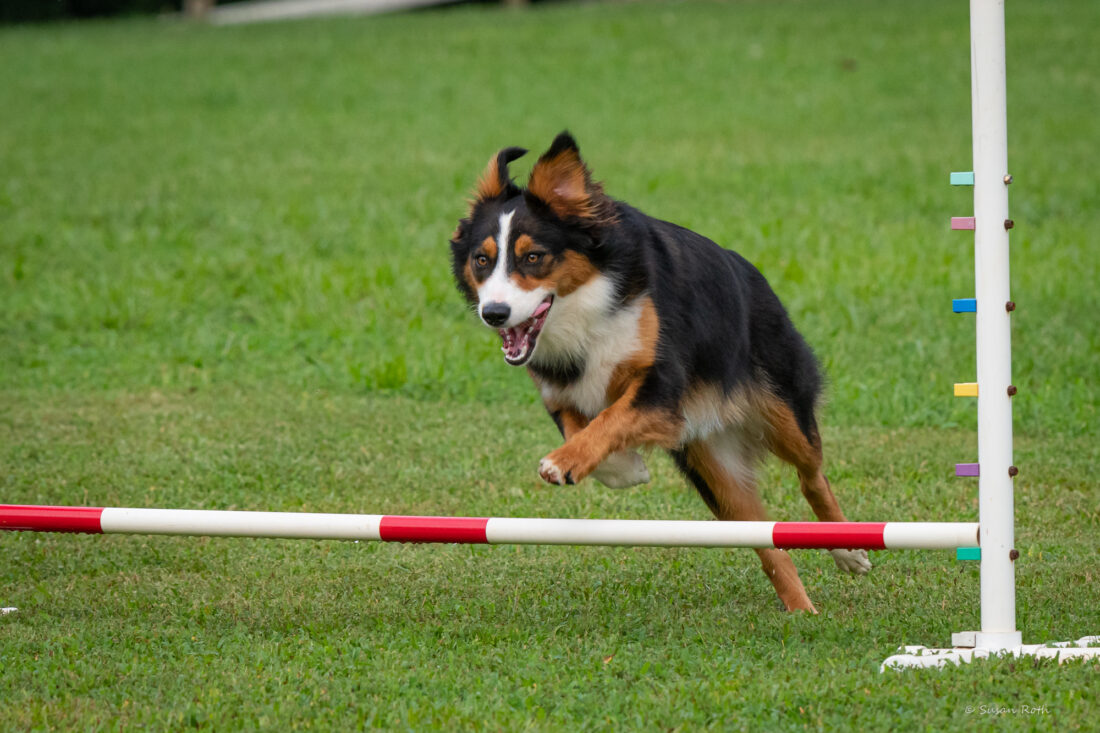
x: 495, y: 183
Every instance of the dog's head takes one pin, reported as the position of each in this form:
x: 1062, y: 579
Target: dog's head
x: 522, y: 249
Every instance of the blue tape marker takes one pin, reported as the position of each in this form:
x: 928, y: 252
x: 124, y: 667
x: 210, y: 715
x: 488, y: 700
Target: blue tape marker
x: 962, y: 178
x: 964, y: 305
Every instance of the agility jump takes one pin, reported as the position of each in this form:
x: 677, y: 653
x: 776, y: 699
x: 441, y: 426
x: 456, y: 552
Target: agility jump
x: 993, y: 536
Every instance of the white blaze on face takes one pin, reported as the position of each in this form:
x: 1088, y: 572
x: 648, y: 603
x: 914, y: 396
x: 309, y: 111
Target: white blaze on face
x: 500, y: 288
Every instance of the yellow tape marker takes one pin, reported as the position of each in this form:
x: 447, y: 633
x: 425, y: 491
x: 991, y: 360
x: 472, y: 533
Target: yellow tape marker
x: 966, y: 389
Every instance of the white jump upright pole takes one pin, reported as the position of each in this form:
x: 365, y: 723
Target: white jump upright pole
x: 994, y: 339
x: 994, y: 389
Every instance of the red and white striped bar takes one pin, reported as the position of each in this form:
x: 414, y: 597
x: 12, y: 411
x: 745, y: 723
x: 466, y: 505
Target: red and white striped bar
x: 494, y: 531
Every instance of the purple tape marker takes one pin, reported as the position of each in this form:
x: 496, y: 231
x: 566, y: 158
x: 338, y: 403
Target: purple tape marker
x: 966, y: 469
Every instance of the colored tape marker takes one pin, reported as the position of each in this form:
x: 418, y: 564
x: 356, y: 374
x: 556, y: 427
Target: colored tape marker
x: 968, y: 553
x: 964, y: 305
x: 808, y: 535
x: 27, y: 518
x: 966, y: 389
x: 433, y: 529
x: 962, y: 178
x: 967, y: 469
x: 962, y: 222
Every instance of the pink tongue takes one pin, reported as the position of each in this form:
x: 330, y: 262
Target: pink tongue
x: 543, y: 307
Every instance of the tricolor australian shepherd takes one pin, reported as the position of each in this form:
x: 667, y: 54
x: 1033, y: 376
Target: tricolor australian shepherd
x: 637, y: 333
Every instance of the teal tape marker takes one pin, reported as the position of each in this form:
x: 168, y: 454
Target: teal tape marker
x: 968, y: 553
x: 962, y: 178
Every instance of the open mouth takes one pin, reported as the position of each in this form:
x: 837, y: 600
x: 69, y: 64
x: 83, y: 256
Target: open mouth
x: 519, y: 340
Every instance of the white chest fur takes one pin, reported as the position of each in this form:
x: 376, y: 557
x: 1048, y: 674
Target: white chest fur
x: 582, y: 327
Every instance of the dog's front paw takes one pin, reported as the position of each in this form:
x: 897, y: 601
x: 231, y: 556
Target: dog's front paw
x: 570, y: 463
x: 552, y: 473
x: 622, y: 469
x: 851, y: 561
x: 567, y: 465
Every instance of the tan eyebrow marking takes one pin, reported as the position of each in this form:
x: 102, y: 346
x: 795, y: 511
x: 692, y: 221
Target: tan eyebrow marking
x: 524, y: 244
x: 489, y: 246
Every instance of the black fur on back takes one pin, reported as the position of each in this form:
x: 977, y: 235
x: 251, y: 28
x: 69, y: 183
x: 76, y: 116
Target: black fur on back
x: 720, y: 321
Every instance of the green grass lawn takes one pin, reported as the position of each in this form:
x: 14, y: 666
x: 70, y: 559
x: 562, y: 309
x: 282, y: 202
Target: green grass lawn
x: 224, y: 284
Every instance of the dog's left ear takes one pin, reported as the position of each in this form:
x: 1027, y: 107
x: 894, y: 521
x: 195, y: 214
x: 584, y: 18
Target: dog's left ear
x: 495, y: 181
x: 561, y: 180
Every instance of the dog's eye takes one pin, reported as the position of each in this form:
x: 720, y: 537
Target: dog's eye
x: 534, y: 257
x: 481, y: 260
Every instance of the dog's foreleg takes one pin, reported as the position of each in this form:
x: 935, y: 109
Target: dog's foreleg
x: 620, y: 469
x: 613, y: 434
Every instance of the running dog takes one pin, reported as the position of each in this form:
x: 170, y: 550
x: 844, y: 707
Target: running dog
x: 639, y: 333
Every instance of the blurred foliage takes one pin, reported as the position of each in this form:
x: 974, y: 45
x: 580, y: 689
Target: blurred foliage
x: 42, y: 10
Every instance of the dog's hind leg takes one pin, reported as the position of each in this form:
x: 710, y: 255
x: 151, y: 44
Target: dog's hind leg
x: 787, y: 440
x: 723, y: 474
x: 622, y: 469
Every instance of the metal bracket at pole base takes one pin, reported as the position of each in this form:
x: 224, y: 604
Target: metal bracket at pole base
x: 1085, y: 648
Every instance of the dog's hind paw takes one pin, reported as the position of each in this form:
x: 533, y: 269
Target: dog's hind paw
x: 851, y: 561
x: 622, y: 469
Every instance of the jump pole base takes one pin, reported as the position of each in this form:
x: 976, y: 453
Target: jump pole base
x: 921, y: 657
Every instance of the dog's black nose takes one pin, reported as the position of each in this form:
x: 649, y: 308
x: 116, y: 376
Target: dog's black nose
x: 496, y: 313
